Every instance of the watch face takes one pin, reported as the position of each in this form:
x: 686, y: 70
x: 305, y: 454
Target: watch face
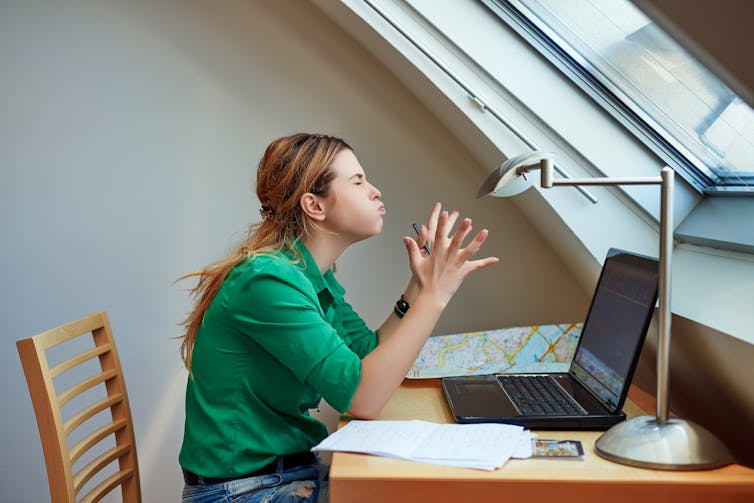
x: 401, y: 306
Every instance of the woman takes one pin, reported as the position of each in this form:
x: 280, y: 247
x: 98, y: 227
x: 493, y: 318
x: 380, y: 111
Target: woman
x: 271, y: 335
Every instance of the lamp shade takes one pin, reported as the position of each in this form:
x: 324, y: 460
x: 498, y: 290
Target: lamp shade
x: 506, y: 180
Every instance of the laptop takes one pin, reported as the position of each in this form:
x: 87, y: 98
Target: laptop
x: 592, y: 392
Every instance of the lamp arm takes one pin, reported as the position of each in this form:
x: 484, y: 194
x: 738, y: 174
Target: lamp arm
x: 547, y: 167
x: 608, y: 181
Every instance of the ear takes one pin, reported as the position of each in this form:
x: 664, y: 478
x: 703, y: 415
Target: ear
x: 313, y: 207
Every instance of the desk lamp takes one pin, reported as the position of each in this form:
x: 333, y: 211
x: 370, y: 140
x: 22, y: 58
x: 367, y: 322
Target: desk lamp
x: 645, y: 441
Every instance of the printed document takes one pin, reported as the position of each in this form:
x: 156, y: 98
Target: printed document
x: 484, y: 446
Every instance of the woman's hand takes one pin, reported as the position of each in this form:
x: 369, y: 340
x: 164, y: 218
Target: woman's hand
x: 424, y: 238
x: 440, y: 274
x: 429, y: 230
x: 436, y: 277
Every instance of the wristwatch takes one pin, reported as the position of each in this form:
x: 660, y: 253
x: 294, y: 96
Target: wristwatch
x: 401, y: 307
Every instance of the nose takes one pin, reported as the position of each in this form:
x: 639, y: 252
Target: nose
x: 376, y: 194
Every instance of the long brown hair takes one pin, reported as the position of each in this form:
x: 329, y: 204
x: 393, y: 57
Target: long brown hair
x: 290, y: 167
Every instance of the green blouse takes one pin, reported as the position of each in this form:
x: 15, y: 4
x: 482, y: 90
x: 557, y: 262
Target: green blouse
x: 277, y: 338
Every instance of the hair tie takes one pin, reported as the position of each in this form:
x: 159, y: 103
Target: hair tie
x: 267, y: 212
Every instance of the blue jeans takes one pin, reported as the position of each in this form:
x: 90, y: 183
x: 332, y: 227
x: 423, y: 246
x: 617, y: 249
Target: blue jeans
x: 306, y: 483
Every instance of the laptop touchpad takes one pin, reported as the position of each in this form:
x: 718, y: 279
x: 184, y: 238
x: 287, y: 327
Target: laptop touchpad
x: 481, y: 398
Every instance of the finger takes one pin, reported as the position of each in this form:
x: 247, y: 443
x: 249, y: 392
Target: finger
x: 433, y: 217
x: 475, y: 265
x: 474, y: 245
x: 423, y: 239
x: 460, y: 235
x: 449, y: 222
x: 414, y: 254
x: 441, y: 232
x: 452, y: 220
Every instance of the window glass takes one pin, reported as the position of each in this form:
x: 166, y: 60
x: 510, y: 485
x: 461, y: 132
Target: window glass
x: 659, y: 81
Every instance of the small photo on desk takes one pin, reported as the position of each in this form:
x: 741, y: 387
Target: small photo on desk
x: 570, y: 449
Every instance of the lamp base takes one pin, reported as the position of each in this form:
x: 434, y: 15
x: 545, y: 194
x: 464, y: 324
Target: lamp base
x: 675, y: 445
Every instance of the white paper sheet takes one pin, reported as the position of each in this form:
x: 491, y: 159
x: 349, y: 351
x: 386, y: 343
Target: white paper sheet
x: 483, y: 446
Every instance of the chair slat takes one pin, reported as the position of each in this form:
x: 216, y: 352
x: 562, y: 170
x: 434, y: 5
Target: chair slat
x: 77, y: 419
x: 79, y: 388
x: 93, y: 438
x: 90, y: 470
x: 78, y: 360
x: 69, y: 331
x: 107, y: 485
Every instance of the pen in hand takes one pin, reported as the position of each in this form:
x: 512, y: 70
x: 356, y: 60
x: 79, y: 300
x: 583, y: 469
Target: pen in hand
x: 426, y: 244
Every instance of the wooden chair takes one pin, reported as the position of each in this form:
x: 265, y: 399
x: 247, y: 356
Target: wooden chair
x: 65, y: 479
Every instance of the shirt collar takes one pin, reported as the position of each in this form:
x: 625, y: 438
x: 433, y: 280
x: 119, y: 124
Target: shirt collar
x: 311, y: 270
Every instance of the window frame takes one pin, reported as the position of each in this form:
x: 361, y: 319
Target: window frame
x: 614, y: 101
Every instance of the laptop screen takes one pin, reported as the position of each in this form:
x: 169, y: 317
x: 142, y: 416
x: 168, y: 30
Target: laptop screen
x: 616, y: 325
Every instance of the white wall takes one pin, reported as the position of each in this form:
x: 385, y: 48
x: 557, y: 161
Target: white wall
x: 129, y: 135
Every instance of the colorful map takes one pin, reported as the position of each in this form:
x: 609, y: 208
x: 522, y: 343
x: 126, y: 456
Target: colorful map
x: 538, y: 348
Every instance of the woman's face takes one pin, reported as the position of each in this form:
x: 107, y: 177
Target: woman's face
x: 352, y: 207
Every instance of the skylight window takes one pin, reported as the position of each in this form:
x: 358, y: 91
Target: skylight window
x: 695, y: 122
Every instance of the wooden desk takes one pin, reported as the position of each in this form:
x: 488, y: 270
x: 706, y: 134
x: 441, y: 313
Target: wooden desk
x: 363, y: 478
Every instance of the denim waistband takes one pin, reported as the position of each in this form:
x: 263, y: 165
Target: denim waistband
x: 286, y: 461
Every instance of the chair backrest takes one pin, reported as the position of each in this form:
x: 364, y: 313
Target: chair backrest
x: 88, y: 435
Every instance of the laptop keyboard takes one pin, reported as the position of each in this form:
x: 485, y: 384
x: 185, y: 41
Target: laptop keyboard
x: 539, y: 395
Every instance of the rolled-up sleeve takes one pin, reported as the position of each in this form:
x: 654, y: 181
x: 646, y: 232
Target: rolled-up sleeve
x: 336, y: 377
x: 281, y: 313
x: 363, y: 340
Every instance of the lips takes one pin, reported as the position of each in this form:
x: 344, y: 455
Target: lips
x: 381, y: 210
